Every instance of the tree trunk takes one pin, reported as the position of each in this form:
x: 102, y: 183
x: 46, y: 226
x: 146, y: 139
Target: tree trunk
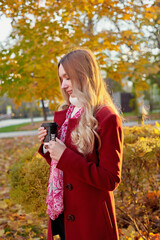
x: 31, y: 113
x: 44, y: 110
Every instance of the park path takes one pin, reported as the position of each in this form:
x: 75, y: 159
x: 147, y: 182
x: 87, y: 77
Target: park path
x: 35, y: 132
x: 9, y: 122
x: 18, y: 134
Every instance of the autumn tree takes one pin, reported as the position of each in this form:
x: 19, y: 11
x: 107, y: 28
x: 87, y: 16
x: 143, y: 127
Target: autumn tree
x: 153, y: 54
x: 144, y: 64
x: 44, y: 30
x: 30, y: 71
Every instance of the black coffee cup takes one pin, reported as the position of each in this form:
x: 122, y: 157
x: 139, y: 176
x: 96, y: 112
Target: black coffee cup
x: 52, y: 130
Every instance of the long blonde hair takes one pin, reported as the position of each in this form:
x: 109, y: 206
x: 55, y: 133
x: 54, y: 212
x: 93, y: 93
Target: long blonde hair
x: 82, y: 68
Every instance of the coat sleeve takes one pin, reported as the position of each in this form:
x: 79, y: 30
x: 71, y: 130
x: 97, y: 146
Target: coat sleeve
x: 107, y: 174
x: 45, y: 155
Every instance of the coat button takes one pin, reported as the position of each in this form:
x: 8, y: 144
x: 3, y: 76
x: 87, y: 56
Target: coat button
x: 69, y: 186
x: 71, y: 218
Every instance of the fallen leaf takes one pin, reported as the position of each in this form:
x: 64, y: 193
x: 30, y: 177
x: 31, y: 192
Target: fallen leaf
x: 1, y: 232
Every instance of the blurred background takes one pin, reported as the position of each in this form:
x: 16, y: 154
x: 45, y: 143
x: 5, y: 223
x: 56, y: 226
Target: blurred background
x: 125, y: 37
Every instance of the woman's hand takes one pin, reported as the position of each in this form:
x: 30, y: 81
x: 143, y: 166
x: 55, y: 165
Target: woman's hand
x: 56, y: 148
x: 42, y: 132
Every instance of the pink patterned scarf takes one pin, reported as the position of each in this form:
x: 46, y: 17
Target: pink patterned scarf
x: 55, y: 185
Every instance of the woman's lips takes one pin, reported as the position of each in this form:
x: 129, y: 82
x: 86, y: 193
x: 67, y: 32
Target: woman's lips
x: 69, y: 92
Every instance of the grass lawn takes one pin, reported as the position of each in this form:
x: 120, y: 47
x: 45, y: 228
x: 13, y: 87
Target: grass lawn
x: 21, y: 127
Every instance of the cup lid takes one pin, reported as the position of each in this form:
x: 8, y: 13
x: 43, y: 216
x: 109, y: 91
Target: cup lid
x: 49, y: 124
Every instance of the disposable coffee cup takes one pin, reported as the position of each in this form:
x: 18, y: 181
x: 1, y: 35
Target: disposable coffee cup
x: 52, y: 129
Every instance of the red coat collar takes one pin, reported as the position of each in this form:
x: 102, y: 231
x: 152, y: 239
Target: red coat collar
x: 59, y: 117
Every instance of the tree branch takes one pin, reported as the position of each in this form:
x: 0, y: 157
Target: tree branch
x: 134, y: 222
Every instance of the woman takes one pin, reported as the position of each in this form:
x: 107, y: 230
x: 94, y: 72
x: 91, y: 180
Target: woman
x: 87, y: 155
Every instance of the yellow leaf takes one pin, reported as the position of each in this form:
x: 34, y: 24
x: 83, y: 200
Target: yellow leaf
x: 141, y: 154
x: 157, y: 124
x: 142, y: 138
x: 1, y: 232
x: 3, y: 205
x: 127, y: 16
x: 29, y: 221
x: 156, y: 131
x: 11, y: 218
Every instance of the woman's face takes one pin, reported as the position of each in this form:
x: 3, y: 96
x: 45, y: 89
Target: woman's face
x: 66, y: 83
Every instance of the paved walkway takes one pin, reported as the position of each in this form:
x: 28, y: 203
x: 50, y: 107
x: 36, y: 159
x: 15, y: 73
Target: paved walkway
x: 35, y: 132
x: 18, y: 134
x: 130, y: 124
x: 9, y: 122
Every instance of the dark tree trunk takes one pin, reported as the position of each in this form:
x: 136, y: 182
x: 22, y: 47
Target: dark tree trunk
x: 44, y: 110
x: 31, y: 113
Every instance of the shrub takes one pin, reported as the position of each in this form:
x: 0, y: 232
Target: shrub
x: 137, y: 197
x: 29, y: 177
x: 140, y: 179
x: 133, y: 133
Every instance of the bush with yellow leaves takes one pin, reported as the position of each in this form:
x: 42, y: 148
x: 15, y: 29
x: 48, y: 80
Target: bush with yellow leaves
x: 28, y: 178
x: 137, y: 197
x: 140, y: 180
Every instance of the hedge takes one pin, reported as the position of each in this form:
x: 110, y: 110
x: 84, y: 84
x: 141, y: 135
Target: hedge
x: 137, y: 197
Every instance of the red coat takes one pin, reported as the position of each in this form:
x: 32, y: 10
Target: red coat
x: 89, y: 210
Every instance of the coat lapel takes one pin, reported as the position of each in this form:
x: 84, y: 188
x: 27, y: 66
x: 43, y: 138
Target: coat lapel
x: 59, y: 117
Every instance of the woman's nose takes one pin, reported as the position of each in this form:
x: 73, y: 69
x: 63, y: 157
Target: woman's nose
x: 64, y: 84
